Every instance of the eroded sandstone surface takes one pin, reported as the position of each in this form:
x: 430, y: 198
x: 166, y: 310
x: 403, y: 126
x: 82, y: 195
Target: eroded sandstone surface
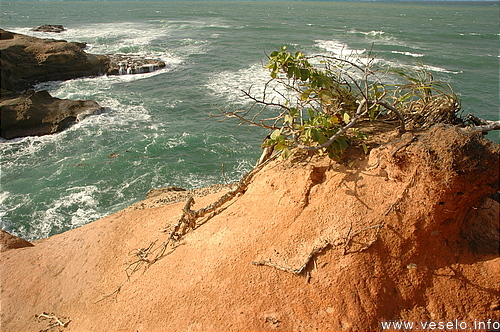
x: 406, y: 233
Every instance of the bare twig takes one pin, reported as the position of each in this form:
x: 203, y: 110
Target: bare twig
x: 53, y: 321
x: 145, y: 257
x: 113, y: 293
x: 395, y: 110
x: 325, y: 245
x: 481, y: 124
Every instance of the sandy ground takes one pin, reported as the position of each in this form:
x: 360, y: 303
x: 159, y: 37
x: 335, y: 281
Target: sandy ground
x: 404, y: 234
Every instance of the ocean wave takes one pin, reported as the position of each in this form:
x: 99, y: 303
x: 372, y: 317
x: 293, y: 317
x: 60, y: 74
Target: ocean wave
x: 415, y: 55
x: 371, y: 33
x: 79, y: 202
x: 229, y: 84
x: 438, y: 69
x: 338, y: 48
x: 91, y: 87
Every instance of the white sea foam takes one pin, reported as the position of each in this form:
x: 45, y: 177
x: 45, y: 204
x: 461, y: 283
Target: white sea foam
x: 79, y: 202
x: 177, y: 140
x: 415, y: 55
x: 15, y: 152
x: 229, y: 84
x: 371, y: 33
x: 438, y: 69
x: 338, y: 48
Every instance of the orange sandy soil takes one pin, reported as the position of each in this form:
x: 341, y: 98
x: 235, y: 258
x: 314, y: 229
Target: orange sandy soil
x: 406, y: 233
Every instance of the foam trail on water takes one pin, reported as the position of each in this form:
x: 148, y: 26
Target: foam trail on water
x: 339, y: 49
x: 415, y: 55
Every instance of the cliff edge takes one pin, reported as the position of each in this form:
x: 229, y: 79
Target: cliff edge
x: 407, y: 233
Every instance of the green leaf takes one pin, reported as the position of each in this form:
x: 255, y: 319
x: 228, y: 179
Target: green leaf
x: 336, y: 146
x: 343, y: 143
x: 279, y: 147
x: 269, y: 142
x: 275, y: 134
x: 346, y: 117
x: 286, y: 153
x: 304, y: 74
x: 296, y: 71
x: 316, y: 135
x: 305, y: 95
x: 365, y: 148
x: 325, y: 97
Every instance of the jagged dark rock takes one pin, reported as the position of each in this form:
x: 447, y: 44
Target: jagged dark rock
x: 38, y: 113
x: 49, y: 28
x: 122, y: 64
x: 29, y: 60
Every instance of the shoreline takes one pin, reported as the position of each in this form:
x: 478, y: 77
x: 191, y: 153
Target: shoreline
x: 310, y: 244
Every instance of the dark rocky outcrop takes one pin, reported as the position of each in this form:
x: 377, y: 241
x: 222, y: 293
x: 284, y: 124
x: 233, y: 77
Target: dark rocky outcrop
x: 122, y: 64
x: 38, y: 113
x: 49, y: 28
x: 27, y: 60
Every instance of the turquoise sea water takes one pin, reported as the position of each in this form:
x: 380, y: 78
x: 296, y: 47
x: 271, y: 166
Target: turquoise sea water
x: 155, y: 131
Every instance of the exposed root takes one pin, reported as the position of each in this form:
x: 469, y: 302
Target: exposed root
x: 347, y: 241
x: 481, y: 124
x: 53, y: 321
x: 188, y: 219
x: 404, y: 194
x: 112, y: 294
x: 147, y: 256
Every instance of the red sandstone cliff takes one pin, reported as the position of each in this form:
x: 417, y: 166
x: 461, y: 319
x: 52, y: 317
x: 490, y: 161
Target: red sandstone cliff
x: 407, y: 233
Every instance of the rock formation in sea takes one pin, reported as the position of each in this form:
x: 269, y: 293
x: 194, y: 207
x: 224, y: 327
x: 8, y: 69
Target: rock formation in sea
x: 57, y: 28
x: 407, y: 233
x: 29, y: 60
x: 126, y: 64
x: 38, y: 113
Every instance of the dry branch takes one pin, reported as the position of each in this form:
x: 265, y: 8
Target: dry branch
x: 53, y: 321
x: 481, y: 124
x: 324, y: 246
x: 114, y: 293
x: 189, y: 217
x: 145, y: 257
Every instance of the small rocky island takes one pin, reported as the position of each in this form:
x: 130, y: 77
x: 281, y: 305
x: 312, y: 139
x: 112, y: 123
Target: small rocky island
x: 49, y: 28
x: 29, y: 60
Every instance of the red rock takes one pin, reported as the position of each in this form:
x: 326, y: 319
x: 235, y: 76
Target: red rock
x: 9, y: 241
x: 396, y: 231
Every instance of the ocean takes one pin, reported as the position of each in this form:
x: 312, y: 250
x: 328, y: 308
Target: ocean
x: 157, y: 131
